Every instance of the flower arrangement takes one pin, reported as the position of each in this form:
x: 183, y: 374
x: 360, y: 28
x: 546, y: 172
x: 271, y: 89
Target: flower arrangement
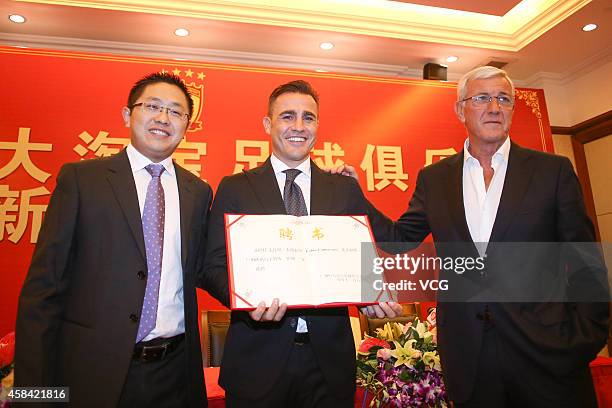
x: 400, y: 366
x: 7, y: 353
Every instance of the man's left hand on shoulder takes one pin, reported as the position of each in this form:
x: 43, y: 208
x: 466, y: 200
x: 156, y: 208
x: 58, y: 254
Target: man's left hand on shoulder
x: 382, y: 310
x: 344, y: 169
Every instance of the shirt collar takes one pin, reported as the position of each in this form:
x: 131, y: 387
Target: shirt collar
x: 138, y: 161
x: 278, y: 166
x: 503, y: 152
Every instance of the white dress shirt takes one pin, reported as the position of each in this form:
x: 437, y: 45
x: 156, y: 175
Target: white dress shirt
x: 170, y: 310
x: 481, y: 203
x: 303, y: 181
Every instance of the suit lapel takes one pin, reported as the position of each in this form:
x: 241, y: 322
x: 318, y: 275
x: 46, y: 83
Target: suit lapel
x: 455, y: 197
x: 121, y: 179
x: 518, y: 176
x: 321, y: 191
x: 265, y: 187
x: 186, y: 202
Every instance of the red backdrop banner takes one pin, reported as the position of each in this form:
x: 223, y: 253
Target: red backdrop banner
x: 60, y: 107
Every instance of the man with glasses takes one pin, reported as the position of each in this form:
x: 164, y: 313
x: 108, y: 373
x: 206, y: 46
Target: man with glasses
x: 505, y: 352
x: 109, y: 306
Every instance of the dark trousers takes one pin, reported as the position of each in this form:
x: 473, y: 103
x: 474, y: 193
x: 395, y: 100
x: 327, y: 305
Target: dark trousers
x: 505, y: 379
x: 159, y: 384
x: 302, y: 385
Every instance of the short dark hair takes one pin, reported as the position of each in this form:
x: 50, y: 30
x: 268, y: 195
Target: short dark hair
x: 299, y: 86
x: 155, y: 78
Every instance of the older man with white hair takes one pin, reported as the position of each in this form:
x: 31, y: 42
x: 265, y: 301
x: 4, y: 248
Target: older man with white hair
x: 511, y: 353
x: 530, y: 343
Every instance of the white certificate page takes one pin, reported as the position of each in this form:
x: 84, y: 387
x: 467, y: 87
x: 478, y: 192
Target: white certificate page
x: 305, y: 261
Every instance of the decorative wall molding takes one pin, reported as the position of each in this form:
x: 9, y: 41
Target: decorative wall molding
x: 211, y: 55
x: 581, y: 133
x: 583, y: 67
x: 589, y: 130
x: 511, y: 32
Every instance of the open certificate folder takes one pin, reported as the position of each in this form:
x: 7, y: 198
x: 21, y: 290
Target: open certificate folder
x: 311, y: 261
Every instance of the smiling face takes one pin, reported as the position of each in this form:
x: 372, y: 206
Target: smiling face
x: 156, y: 135
x: 292, y: 125
x: 488, y: 124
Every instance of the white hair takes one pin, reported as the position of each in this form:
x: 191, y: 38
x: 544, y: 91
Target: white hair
x: 481, y: 73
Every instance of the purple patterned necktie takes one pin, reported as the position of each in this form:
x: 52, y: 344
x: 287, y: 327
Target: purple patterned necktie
x: 153, y: 217
x: 292, y: 195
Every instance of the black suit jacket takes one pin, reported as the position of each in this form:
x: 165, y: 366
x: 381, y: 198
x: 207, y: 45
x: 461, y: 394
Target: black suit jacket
x: 85, y: 287
x: 255, y: 353
x: 541, y: 202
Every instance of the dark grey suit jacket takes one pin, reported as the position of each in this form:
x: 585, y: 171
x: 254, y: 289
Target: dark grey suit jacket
x: 78, y: 308
x: 541, y: 202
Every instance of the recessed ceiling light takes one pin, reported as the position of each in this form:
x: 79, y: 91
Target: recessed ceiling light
x: 589, y: 27
x: 320, y: 70
x: 452, y: 58
x: 326, y: 45
x: 17, y: 18
x: 181, y: 32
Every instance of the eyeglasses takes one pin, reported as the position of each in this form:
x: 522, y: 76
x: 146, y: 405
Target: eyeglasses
x: 152, y: 108
x: 483, y: 100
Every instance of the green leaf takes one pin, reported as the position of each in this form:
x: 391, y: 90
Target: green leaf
x: 6, y: 370
x: 404, y: 376
x: 365, y: 367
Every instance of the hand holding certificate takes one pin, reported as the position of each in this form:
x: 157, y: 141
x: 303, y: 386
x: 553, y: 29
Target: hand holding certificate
x: 304, y: 261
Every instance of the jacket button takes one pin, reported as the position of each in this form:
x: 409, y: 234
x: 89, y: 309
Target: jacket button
x: 293, y: 322
x: 141, y: 275
x: 133, y: 318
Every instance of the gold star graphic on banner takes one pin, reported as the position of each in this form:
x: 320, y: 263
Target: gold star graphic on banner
x: 176, y: 71
x: 200, y: 75
x: 189, y: 73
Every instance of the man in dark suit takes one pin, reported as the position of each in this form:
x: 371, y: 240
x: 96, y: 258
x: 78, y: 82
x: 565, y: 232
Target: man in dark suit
x: 503, y: 351
x: 109, y: 306
x: 274, y: 357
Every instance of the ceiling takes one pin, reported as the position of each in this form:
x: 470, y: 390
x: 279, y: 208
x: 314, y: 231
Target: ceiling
x: 495, y: 7
x: 534, y: 37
